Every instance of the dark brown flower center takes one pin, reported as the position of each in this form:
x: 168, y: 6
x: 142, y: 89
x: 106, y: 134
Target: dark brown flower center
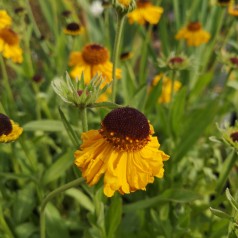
x: 234, y: 60
x: 176, y: 60
x: 234, y: 136
x: 126, y: 129
x: 224, y: 1
x: 5, y: 125
x: 80, y: 92
x: 19, y: 10
x: 37, y: 78
x: 66, y: 13
x: 73, y: 26
x: 143, y: 3
x: 94, y: 54
x: 194, y: 26
x: 125, y: 55
x: 9, y: 36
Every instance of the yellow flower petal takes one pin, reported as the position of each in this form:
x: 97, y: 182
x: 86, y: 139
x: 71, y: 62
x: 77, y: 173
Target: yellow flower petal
x: 124, y: 170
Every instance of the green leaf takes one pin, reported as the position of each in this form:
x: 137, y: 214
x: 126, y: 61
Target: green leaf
x: 201, y: 84
x: 197, y: 122
x: 177, y: 111
x: 55, y: 225
x: 231, y: 200
x: 24, y: 203
x: 221, y: 214
x: 153, y: 96
x: 58, y: 168
x: 139, y: 98
x: 114, y: 216
x: 172, y: 195
x: 44, y: 125
x: 81, y: 198
x: 26, y: 230
x: 72, y: 135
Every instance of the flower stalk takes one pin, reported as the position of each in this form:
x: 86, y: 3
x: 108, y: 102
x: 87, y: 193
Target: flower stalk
x: 144, y: 56
x: 51, y: 195
x: 120, y: 23
x: 84, y: 119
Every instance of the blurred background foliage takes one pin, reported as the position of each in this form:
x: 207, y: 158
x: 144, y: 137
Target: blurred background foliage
x: 42, y: 159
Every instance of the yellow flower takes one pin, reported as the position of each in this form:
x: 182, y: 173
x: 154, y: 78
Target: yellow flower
x: 145, y: 12
x: 165, y: 96
x: 233, y: 9
x: 193, y: 34
x: 9, y: 130
x: 124, y: 150
x: 94, y: 59
x: 74, y: 29
x: 9, y: 45
x: 5, y: 19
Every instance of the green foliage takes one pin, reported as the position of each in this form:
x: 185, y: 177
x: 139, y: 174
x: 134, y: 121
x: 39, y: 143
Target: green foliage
x: 190, y: 201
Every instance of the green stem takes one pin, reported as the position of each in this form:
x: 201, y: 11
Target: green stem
x: 120, y: 21
x: 37, y: 107
x: 228, y: 165
x: 72, y: 135
x: 35, y: 27
x: 142, y: 72
x: 84, y: 119
x: 28, y: 156
x: 51, y: 195
x: 228, y: 76
x: 4, y: 226
x: 176, y: 13
x: 172, y: 85
x: 6, y: 83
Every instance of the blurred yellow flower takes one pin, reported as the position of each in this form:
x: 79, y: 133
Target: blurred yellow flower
x: 165, y: 96
x: 5, y: 19
x: 193, y: 34
x: 92, y: 60
x: 9, y: 130
x: 74, y: 29
x: 124, y: 150
x: 145, y: 12
x: 9, y: 45
x: 233, y: 9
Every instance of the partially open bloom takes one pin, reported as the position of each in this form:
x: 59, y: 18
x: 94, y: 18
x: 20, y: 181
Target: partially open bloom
x: 167, y: 85
x: 228, y: 59
x: 5, y: 19
x: 193, y: 34
x: 9, y: 45
x: 174, y: 61
x: 230, y: 135
x: 124, y: 6
x: 74, y: 29
x: 233, y: 9
x: 145, y: 13
x: 9, y: 130
x: 79, y: 94
x: 92, y: 60
x: 124, y: 150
